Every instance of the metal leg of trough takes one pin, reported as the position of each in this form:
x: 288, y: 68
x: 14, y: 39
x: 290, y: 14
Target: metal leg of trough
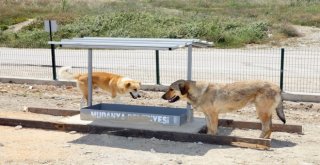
x: 157, y: 68
x: 89, y: 77
x: 189, y: 72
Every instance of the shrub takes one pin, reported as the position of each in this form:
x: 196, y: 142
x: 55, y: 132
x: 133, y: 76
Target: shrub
x: 289, y: 30
x: 3, y: 27
x: 19, y: 19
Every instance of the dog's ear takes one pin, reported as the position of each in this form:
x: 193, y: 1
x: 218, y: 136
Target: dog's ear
x: 184, y: 88
x: 128, y: 85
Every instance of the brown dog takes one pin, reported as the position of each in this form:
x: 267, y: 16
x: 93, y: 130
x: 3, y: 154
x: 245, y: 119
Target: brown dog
x: 112, y: 83
x: 214, y: 98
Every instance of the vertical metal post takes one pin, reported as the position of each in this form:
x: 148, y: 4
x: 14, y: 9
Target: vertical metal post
x: 53, y: 59
x: 90, y: 77
x: 282, y: 69
x: 189, y: 72
x: 53, y: 56
x: 157, y: 67
x: 189, y: 76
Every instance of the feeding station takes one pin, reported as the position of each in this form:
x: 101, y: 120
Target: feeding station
x: 135, y: 113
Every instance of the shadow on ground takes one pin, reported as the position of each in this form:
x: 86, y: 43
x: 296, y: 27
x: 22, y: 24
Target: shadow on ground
x: 275, y: 143
x: 151, y: 145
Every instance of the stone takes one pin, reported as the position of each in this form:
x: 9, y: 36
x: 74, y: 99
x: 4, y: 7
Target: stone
x: 152, y: 150
x: 18, y: 127
x: 72, y: 132
x: 179, y: 161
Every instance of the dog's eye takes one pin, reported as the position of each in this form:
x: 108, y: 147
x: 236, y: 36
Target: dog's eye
x: 170, y: 89
x: 135, y: 90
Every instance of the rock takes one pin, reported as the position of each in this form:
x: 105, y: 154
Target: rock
x: 67, y: 145
x: 72, y: 132
x: 179, y: 161
x: 30, y: 87
x: 87, y: 152
x: 1, y: 145
x: 25, y: 109
x: 130, y: 138
x: 69, y: 87
x: 153, y: 139
x: 199, y: 143
x: 152, y: 150
x: 18, y: 127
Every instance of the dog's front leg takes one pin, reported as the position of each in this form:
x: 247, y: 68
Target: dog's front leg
x: 83, y: 102
x: 212, y: 123
x: 208, y: 124
x: 117, y: 100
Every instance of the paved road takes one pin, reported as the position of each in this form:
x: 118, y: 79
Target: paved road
x: 302, y: 65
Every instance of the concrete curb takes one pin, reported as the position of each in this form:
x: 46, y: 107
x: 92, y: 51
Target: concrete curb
x: 289, y: 96
x: 309, y: 97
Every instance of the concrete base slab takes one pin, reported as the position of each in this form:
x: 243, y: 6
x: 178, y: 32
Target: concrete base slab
x: 189, y: 127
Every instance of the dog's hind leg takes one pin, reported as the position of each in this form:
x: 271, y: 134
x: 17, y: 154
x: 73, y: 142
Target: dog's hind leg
x: 84, y: 90
x: 264, y: 110
x: 266, y: 122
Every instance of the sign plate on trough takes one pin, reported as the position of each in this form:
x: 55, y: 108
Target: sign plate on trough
x: 135, y: 113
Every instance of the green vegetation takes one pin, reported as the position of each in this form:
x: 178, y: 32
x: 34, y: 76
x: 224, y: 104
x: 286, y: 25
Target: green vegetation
x: 228, y: 23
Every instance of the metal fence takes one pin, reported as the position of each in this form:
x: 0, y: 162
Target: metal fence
x: 301, y: 66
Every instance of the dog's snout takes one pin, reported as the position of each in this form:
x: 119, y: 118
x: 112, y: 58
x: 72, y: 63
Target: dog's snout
x: 163, y: 96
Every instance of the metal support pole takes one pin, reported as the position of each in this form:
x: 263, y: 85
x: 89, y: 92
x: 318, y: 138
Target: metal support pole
x: 89, y: 77
x: 189, y: 72
x: 53, y: 59
x: 157, y: 67
x: 189, y: 76
x: 282, y: 69
x: 53, y: 56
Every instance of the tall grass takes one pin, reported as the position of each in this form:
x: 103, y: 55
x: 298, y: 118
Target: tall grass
x: 228, y: 23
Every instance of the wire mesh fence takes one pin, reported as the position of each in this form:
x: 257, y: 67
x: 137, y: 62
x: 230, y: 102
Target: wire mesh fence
x: 25, y: 63
x: 301, y: 66
x: 302, y: 70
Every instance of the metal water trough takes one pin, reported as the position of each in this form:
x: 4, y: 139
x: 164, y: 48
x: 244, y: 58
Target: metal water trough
x: 134, y: 113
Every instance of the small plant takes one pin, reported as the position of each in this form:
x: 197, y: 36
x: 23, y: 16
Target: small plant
x: 19, y: 19
x: 64, y: 5
x: 3, y: 27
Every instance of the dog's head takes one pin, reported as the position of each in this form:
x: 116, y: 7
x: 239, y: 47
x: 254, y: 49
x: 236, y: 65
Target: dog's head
x: 132, y: 87
x: 176, y: 91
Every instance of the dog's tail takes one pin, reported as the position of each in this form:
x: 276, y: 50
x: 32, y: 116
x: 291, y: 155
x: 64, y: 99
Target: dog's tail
x: 64, y: 73
x: 280, y: 112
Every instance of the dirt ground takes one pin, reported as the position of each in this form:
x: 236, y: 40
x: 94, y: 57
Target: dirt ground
x: 34, y: 146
